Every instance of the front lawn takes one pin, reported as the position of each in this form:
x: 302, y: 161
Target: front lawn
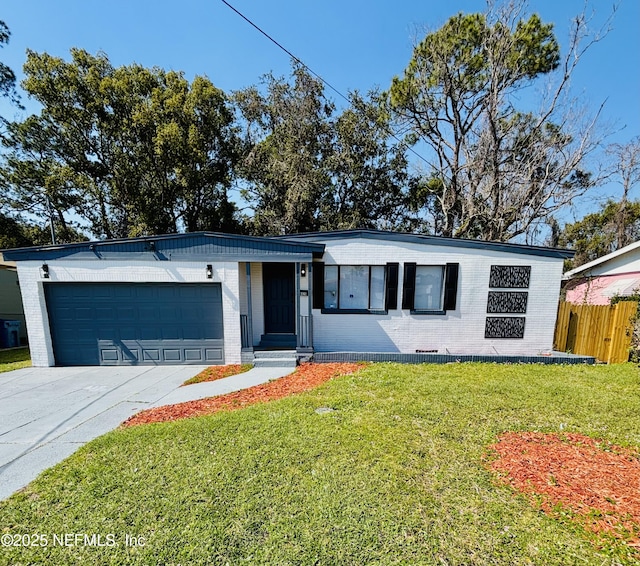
x: 385, y: 466
x: 15, y: 358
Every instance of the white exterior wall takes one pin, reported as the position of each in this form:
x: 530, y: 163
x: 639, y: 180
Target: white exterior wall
x: 31, y: 285
x: 460, y: 331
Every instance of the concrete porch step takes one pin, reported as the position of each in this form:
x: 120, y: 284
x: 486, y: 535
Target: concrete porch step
x: 275, y: 362
x: 263, y: 354
x: 277, y: 341
x: 275, y: 358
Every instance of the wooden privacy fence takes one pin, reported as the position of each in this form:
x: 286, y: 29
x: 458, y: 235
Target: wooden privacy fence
x: 601, y: 331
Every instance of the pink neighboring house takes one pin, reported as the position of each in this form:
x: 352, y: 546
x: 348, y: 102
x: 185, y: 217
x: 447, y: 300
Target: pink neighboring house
x: 596, y: 282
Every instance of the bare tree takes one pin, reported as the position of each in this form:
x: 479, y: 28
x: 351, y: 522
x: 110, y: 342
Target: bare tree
x: 497, y: 171
x: 626, y: 171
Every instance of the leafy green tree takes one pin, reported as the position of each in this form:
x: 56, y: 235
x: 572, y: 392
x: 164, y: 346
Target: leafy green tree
x: 17, y: 233
x: 368, y: 174
x: 13, y: 234
x: 129, y: 150
x: 598, y: 234
x: 617, y: 223
x: 494, y: 171
x: 7, y: 76
x: 308, y: 169
x: 287, y: 141
x: 35, y: 181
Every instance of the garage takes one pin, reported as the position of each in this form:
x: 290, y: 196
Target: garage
x: 135, y: 323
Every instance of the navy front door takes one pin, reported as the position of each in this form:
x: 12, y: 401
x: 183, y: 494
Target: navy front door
x: 279, y: 307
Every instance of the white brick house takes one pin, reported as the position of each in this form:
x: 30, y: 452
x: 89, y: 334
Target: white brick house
x: 214, y: 298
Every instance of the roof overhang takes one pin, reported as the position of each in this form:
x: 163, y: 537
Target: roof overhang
x: 210, y: 246
x: 431, y: 240
x: 585, y: 269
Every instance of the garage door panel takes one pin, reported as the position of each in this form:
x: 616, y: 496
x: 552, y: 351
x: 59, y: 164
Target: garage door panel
x: 116, y: 324
x: 85, y: 357
x: 193, y: 354
x: 130, y: 352
x: 103, y: 292
x: 191, y: 313
x: 193, y: 333
x: 168, y: 293
x: 126, y: 313
x: 107, y: 332
x: 84, y: 313
x: 171, y: 355
x: 151, y: 355
x: 150, y: 333
x: 63, y: 313
x: 169, y: 334
x: 168, y: 313
x: 78, y: 335
x: 214, y: 355
x: 104, y: 314
x: 81, y: 291
x: 121, y: 291
x: 149, y: 313
x: 109, y: 355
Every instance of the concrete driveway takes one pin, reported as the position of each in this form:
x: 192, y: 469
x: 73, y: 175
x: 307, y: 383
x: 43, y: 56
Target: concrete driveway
x: 46, y: 414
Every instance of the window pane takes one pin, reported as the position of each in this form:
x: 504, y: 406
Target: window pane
x: 354, y: 287
x: 429, y: 279
x: 376, y: 299
x: 330, y: 286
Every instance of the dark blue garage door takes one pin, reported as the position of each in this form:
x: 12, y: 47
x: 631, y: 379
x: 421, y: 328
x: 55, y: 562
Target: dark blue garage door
x: 135, y: 323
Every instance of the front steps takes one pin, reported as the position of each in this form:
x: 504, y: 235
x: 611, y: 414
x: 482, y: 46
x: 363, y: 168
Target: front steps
x: 275, y: 358
x: 277, y: 342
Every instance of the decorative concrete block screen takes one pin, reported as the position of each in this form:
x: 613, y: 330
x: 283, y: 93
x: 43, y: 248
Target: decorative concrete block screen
x: 510, y: 276
x: 504, y: 327
x: 507, y: 302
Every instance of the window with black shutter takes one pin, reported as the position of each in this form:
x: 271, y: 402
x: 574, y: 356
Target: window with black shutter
x: 356, y: 289
x: 430, y: 289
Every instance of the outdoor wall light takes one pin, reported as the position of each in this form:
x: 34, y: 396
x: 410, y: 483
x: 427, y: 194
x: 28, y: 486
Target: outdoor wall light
x: 209, y: 271
x: 45, y: 271
x: 151, y: 246
x: 303, y: 270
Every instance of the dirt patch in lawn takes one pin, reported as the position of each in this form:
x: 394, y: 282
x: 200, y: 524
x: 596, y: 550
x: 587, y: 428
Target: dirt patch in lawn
x: 213, y: 373
x: 597, y: 482
x: 305, y: 377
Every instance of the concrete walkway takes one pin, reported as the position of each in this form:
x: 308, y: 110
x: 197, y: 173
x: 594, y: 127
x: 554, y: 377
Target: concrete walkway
x: 46, y: 414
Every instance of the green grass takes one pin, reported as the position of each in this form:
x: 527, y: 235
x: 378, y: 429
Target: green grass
x: 14, y: 359
x: 394, y: 475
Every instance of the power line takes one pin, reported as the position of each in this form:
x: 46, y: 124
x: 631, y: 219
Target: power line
x: 334, y: 89
x: 321, y: 79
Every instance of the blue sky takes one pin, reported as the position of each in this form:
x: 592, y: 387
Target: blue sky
x: 353, y: 44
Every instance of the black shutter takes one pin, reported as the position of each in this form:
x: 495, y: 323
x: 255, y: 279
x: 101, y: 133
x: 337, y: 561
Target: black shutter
x: 409, y: 286
x: 391, y: 295
x: 451, y: 286
x: 318, y: 284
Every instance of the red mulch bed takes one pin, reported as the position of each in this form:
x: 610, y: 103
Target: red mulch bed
x: 597, y: 481
x: 213, y: 373
x: 306, y: 376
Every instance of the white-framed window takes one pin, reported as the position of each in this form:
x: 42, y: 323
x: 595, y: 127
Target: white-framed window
x: 354, y: 287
